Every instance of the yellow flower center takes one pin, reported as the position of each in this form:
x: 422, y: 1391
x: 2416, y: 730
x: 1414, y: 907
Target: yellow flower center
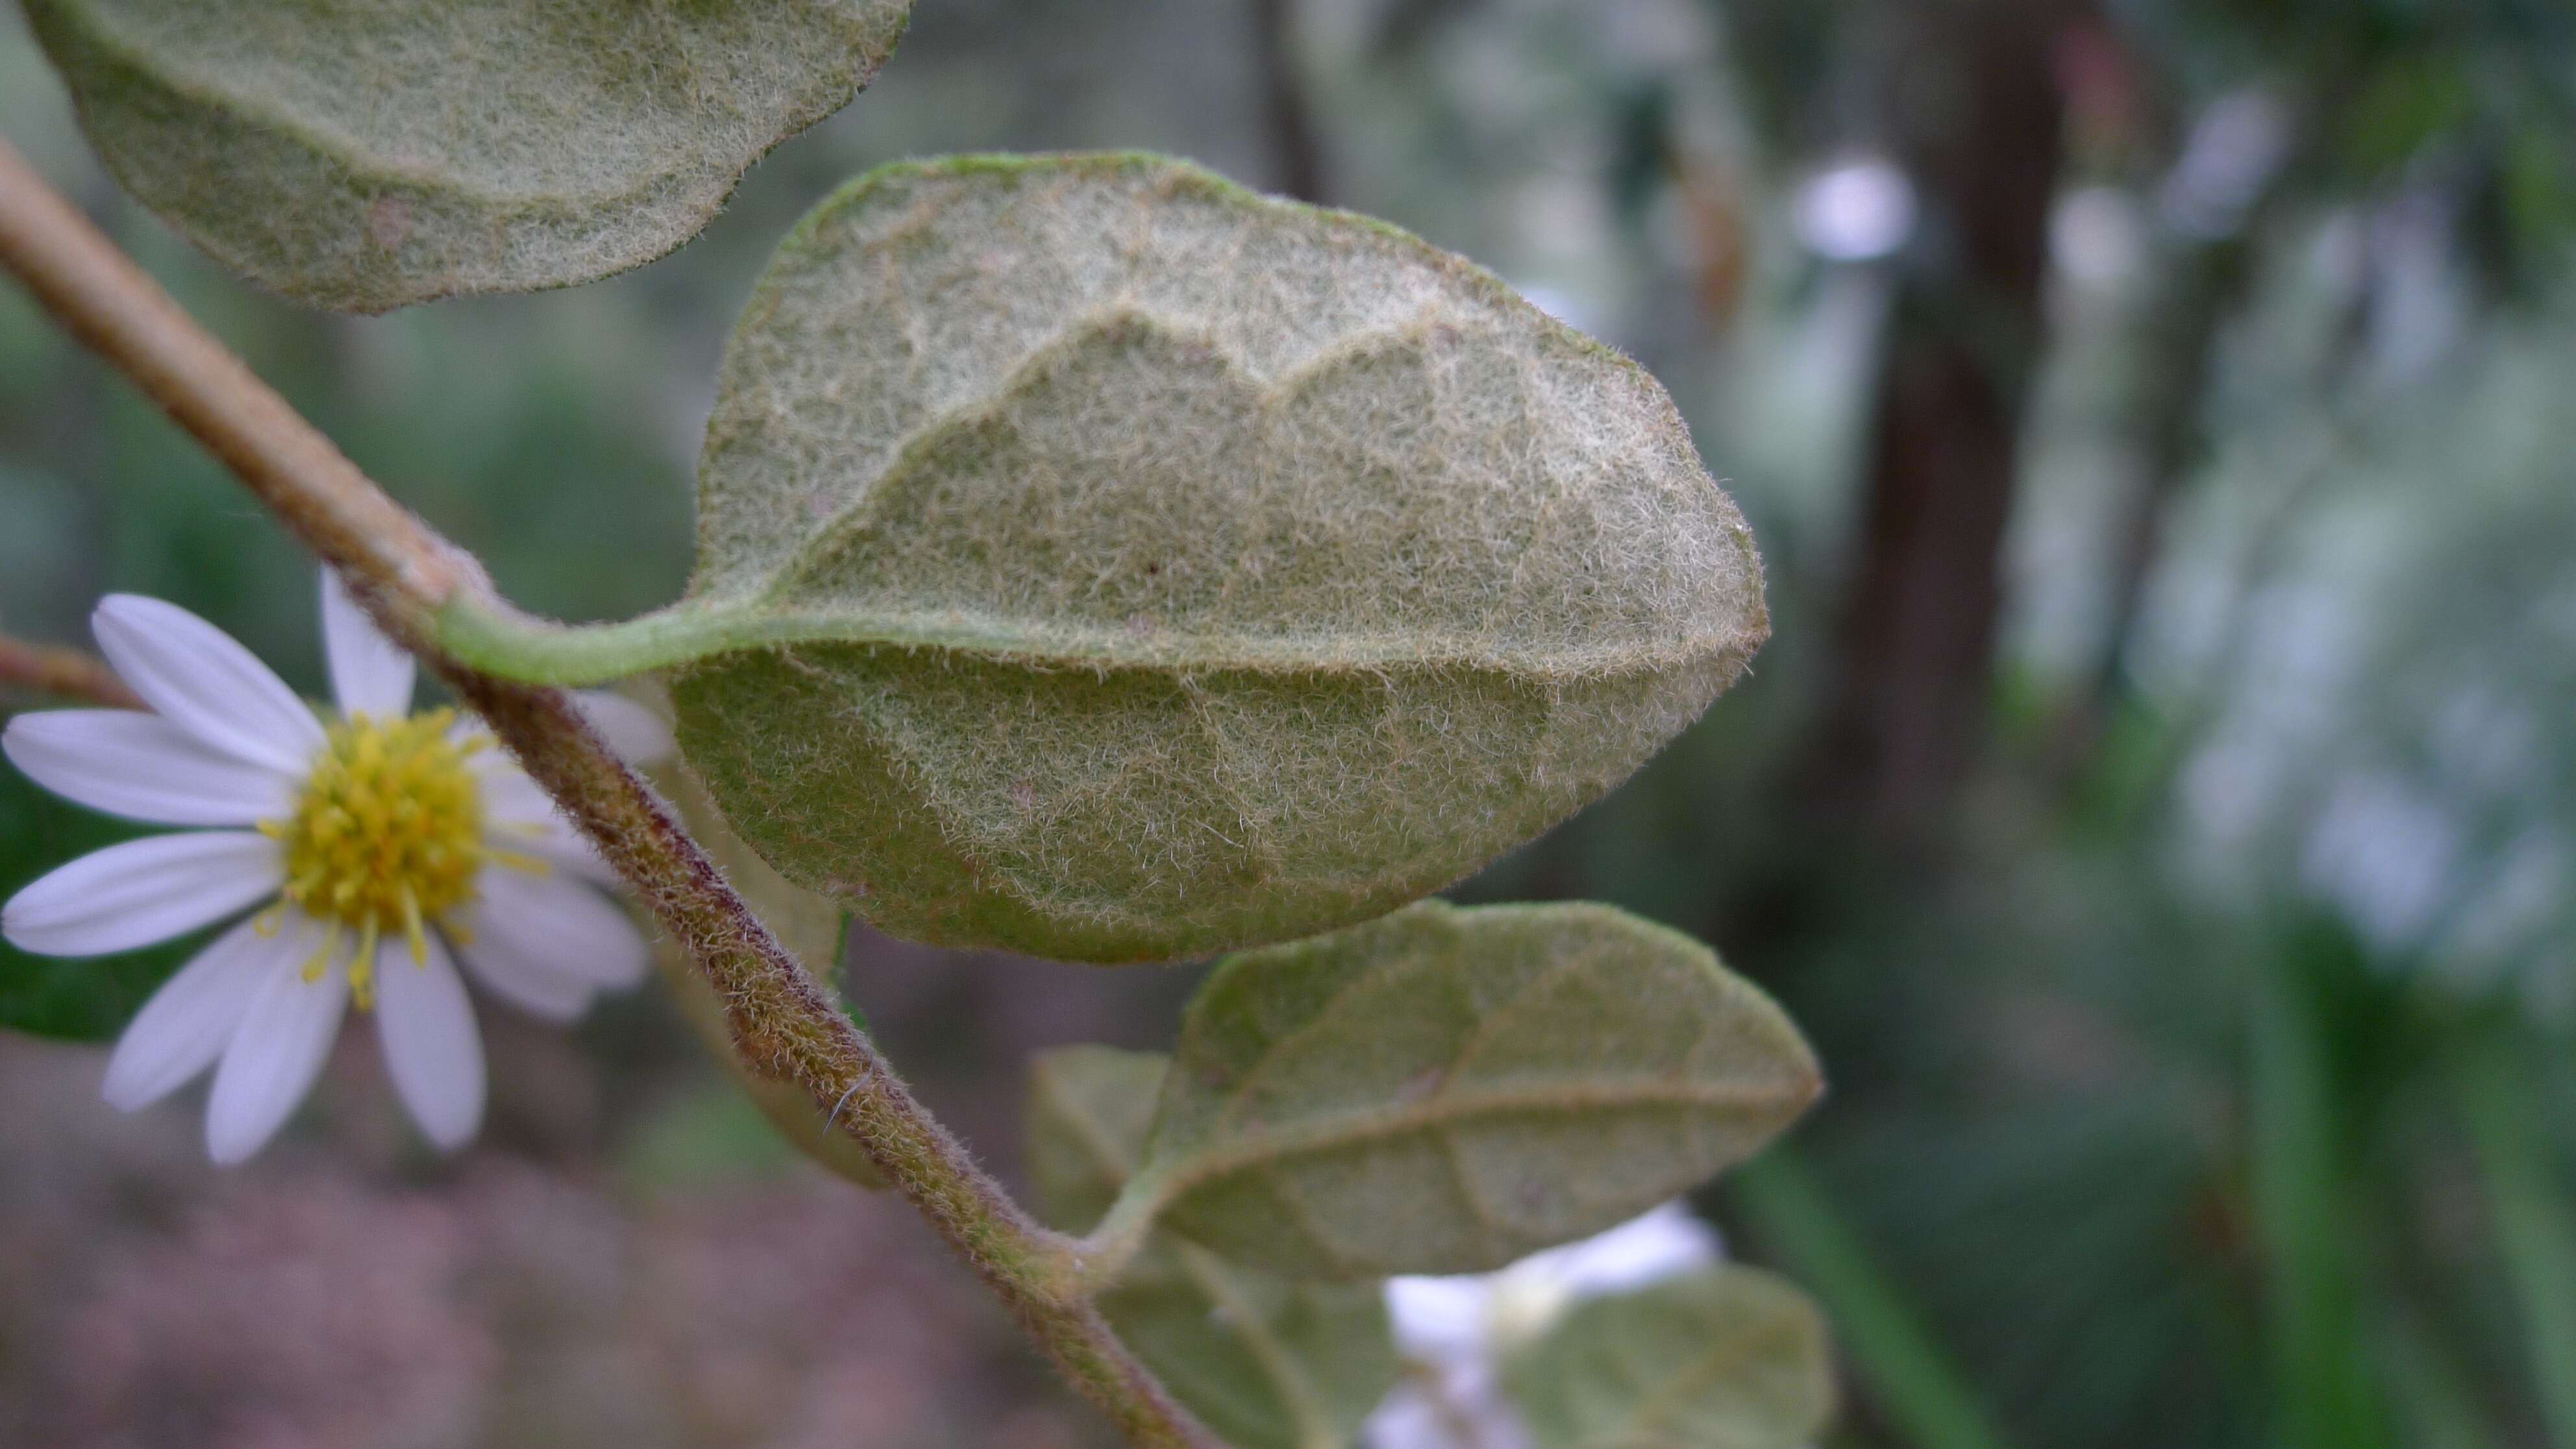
x: 387, y: 835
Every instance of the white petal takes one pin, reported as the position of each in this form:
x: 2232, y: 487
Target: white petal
x: 630, y: 729
x: 537, y: 988
x: 1665, y: 1243
x: 184, y: 1027
x: 1410, y: 1417
x: 431, y: 1047
x: 559, y: 926
x: 274, y: 1055
x: 142, y: 891
x: 1439, y: 1317
x: 143, y: 767
x: 471, y: 727
x: 566, y: 849
x: 508, y: 793
x: 193, y: 674
x: 370, y: 674
x: 519, y: 816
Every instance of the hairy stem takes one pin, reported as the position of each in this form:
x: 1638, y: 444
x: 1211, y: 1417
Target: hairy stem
x: 63, y: 673
x: 783, y: 1024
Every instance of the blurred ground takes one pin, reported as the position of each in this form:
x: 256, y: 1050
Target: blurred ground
x: 596, y: 1271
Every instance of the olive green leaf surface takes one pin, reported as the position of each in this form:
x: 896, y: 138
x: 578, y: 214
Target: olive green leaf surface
x: 1100, y: 561
x: 1725, y: 1358
x: 1266, y: 1362
x: 811, y: 928
x: 1446, y: 1090
x: 366, y: 154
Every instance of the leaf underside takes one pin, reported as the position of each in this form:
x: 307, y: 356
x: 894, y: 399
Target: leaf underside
x: 1446, y: 1090
x: 1129, y: 567
x: 1266, y: 1362
x: 367, y: 154
x: 1726, y: 1358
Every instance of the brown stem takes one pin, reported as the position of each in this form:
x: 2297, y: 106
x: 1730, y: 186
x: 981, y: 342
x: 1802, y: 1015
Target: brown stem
x: 63, y: 673
x: 783, y: 1024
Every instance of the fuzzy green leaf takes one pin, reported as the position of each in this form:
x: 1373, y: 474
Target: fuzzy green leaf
x: 1267, y: 1363
x: 811, y: 928
x: 366, y: 154
x: 1445, y: 1090
x: 1729, y: 1358
x: 1089, y: 1109
x: 1100, y: 561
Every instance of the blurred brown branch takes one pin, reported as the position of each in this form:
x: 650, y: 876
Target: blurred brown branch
x: 1287, y: 115
x: 1981, y: 137
x: 63, y: 673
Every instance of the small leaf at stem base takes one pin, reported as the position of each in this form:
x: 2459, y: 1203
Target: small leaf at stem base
x: 1268, y: 1362
x: 1725, y: 1358
x: 1445, y: 1090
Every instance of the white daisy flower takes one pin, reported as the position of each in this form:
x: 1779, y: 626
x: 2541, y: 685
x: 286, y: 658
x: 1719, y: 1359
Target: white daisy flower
x: 378, y: 848
x: 1454, y: 1332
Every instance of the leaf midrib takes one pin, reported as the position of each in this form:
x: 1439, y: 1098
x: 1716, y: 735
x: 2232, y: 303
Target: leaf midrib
x: 1042, y: 645
x: 1261, y: 1147
x: 769, y: 599
x: 1215, y: 1280
x: 699, y: 629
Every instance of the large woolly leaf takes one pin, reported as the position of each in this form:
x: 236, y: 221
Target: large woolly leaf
x: 811, y: 928
x: 1445, y: 1090
x: 1098, y: 560
x: 1727, y: 1358
x: 365, y: 154
x: 1267, y: 1363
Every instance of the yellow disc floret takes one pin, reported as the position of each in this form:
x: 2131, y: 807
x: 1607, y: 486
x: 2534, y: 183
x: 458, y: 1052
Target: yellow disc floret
x: 387, y: 834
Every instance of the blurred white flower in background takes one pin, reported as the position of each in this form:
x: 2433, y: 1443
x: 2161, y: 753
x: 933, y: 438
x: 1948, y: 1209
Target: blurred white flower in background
x: 2234, y: 147
x: 1455, y: 1332
x: 1856, y: 210
x: 379, y: 847
x: 2387, y: 853
x: 2097, y: 237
